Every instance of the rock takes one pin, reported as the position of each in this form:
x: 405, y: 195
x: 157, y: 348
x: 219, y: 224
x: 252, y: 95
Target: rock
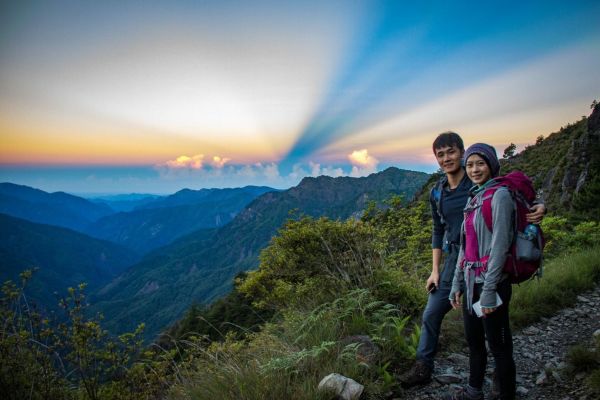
x: 583, y: 299
x: 340, y: 386
x: 521, y: 391
x: 542, y: 379
x: 597, y: 333
x: 447, y: 379
x: 458, y: 358
x: 531, y: 330
x: 556, y: 376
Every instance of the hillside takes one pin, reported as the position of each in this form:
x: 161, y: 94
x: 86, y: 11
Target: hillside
x: 565, y: 165
x: 161, y: 287
x: 60, y: 209
x: 160, y: 221
x: 65, y: 258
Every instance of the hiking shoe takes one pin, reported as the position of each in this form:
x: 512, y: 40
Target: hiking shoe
x: 419, y: 374
x: 461, y: 394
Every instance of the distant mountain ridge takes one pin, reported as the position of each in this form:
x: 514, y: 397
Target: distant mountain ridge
x: 64, y: 258
x: 124, y: 202
x: 200, y: 267
x: 190, y: 196
x: 59, y: 208
x: 160, y: 221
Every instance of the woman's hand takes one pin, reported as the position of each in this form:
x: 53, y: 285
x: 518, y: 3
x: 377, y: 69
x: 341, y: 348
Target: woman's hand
x: 456, y: 300
x: 537, y: 214
x: 488, y: 310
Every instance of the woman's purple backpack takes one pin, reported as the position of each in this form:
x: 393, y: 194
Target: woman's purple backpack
x: 524, y: 259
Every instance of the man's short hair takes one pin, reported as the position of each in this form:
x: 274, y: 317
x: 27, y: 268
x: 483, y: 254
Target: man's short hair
x: 448, y: 139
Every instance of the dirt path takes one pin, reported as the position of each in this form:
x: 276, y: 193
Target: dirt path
x: 539, y: 352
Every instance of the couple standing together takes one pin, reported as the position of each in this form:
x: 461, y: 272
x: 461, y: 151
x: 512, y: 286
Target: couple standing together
x: 492, y: 287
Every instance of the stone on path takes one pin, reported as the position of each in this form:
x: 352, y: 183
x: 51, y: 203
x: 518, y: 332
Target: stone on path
x: 341, y: 387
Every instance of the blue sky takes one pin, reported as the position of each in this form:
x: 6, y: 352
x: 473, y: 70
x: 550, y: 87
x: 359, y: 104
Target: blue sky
x: 115, y: 97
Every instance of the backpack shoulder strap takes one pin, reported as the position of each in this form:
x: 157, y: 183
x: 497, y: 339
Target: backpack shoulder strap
x: 437, y: 192
x: 486, y: 206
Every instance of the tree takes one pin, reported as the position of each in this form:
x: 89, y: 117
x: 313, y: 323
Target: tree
x: 539, y: 140
x: 509, y: 152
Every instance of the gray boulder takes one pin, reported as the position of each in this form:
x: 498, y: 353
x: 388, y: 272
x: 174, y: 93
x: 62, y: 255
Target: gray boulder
x: 340, y: 387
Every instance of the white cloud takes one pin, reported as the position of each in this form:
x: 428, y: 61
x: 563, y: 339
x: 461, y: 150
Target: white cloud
x: 185, y: 162
x: 219, y: 162
x: 362, y: 163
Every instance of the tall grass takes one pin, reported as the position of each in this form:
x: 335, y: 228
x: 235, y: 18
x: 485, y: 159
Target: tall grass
x: 564, y: 278
x: 286, y: 360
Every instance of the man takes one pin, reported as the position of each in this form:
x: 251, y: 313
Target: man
x: 447, y: 198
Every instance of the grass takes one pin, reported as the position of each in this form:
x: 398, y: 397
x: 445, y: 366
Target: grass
x: 564, y: 278
x: 287, y: 359
x: 586, y: 359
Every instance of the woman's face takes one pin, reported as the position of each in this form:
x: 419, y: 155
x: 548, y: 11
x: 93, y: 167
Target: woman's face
x: 477, y: 169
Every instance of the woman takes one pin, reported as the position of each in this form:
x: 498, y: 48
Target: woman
x: 479, y: 273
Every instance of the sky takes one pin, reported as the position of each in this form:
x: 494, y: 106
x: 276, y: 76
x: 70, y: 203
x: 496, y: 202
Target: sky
x: 152, y: 97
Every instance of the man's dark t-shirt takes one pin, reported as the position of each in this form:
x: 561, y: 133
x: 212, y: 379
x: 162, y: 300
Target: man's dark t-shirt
x: 446, y: 234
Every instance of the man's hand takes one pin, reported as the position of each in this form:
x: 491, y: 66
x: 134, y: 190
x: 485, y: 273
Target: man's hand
x: 433, y: 281
x: 456, y: 300
x: 537, y: 214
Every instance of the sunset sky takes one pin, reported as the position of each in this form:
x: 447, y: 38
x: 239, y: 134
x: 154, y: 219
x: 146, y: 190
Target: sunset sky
x: 151, y: 97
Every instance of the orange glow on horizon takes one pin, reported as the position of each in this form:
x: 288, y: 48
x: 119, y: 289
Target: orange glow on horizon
x: 39, y: 143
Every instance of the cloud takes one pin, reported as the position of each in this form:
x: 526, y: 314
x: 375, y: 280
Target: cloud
x: 362, y: 158
x: 219, y: 162
x: 362, y: 163
x: 185, y: 162
x: 217, y: 171
x: 317, y: 170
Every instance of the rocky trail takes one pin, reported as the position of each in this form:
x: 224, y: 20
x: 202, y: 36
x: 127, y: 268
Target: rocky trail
x: 539, y: 352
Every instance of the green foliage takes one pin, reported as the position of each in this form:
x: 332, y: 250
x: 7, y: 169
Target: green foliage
x: 583, y: 359
x: 564, y: 277
x: 404, y: 234
x: 232, y: 313
x: 30, y: 366
x: 313, y: 260
x: 586, y: 359
x: 74, y: 358
x: 548, y: 161
x: 509, y: 151
x: 289, y: 358
x: 562, y: 234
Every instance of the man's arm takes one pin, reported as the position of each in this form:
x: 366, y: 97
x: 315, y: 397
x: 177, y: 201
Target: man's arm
x: 537, y: 213
x: 437, y: 237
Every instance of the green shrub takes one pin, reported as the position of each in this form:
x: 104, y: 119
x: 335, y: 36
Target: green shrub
x: 563, y: 279
x: 583, y: 359
x: 74, y: 359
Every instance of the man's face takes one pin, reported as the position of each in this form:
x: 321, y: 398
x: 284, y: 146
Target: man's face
x: 448, y: 158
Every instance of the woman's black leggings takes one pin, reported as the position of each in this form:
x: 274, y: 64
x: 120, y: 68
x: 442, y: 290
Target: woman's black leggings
x: 496, y: 328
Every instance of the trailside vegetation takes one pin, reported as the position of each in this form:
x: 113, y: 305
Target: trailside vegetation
x: 330, y: 295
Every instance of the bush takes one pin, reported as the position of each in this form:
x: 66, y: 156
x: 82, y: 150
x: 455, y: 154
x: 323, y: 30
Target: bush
x: 564, y: 277
x: 74, y: 358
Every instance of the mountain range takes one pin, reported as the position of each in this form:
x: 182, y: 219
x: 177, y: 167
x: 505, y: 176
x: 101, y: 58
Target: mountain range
x: 161, y: 220
x: 200, y: 267
x: 63, y: 258
x: 60, y: 209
